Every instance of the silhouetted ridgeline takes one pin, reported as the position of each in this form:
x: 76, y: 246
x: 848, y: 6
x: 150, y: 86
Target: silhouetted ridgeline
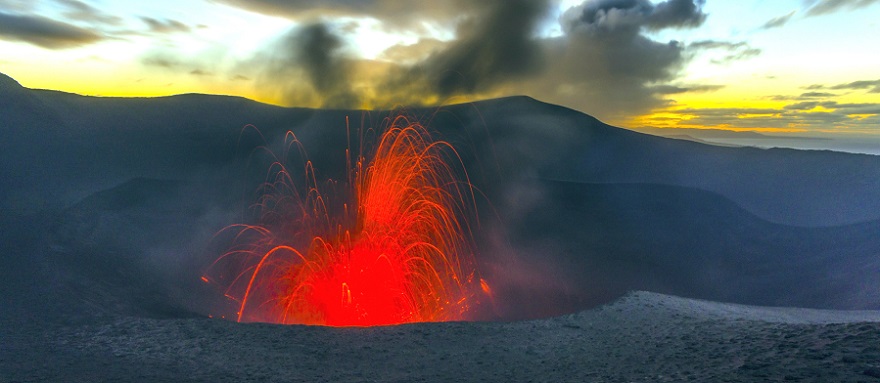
x: 60, y: 147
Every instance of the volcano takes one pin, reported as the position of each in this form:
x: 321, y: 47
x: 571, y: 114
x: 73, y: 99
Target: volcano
x: 111, y: 209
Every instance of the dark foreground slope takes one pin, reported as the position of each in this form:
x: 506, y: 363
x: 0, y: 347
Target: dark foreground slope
x: 643, y: 337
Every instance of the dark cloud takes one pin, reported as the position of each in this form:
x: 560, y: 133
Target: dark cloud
x: 80, y: 11
x: 859, y: 108
x: 677, y: 14
x: 777, y: 22
x: 824, y: 7
x: 633, y: 15
x: 606, y: 63
x: 873, y: 86
x: 44, y: 32
x: 165, y: 26
x: 200, y: 72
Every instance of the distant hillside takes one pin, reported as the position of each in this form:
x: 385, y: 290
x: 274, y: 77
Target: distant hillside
x: 718, y: 133
x: 60, y: 147
x: 604, y: 240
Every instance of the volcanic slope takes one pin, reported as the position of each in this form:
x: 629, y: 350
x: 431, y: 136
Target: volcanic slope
x: 140, y: 249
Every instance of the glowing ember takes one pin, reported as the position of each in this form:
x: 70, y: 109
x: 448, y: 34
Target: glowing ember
x: 400, y: 252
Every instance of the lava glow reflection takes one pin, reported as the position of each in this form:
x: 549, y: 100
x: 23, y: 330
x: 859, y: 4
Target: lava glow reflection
x: 395, y: 247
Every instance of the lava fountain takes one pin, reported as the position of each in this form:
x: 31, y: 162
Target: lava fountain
x: 394, y: 246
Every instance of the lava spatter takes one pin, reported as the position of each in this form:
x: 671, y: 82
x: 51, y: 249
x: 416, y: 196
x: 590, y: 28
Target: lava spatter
x: 395, y: 246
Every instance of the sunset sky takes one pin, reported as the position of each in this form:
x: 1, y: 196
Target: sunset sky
x: 809, y: 67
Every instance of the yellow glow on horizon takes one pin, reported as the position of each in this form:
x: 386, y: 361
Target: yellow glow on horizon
x: 106, y: 81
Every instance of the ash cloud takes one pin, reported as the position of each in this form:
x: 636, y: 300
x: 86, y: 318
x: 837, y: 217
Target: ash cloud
x: 604, y: 62
x: 313, y: 53
x: 318, y: 50
x: 493, y: 46
x: 44, y: 32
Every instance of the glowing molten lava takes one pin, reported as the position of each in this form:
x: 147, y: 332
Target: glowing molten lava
x: 400, y: 252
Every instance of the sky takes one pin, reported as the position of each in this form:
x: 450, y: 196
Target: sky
x: 805, y: 67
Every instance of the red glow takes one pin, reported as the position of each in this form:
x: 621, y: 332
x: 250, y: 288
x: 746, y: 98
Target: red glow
x: 399, y: 252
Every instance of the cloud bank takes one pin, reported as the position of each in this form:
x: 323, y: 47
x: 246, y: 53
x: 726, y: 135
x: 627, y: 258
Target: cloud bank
x: 815, y: 110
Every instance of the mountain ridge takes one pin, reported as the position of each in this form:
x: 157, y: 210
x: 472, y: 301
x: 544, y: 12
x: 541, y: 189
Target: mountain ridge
x: 508, y: 137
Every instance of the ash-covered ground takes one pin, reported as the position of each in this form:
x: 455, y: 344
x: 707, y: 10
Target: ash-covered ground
x: 643, y: 337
